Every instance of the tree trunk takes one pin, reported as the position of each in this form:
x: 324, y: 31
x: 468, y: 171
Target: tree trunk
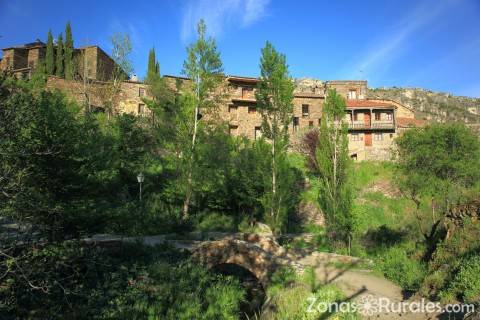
x: 274, y: 179
x: 188, y: 195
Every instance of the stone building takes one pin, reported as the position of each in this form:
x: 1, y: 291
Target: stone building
x: 372, y: 124
x: 91, y: 61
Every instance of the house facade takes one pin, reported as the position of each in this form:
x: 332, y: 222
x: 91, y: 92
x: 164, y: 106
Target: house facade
x: 89, y: 61
x: 372, y: 124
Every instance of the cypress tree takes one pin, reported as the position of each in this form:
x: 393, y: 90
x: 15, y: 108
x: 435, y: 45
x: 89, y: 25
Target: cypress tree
x: 59, y: 64
x: 69, y: 68
x: 50, y: 55
x: 153, y: 69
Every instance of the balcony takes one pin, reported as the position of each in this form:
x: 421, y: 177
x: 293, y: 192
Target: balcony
x: 374, y: 125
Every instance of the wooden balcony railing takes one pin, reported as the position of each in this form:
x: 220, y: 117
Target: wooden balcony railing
x: 359, y: 125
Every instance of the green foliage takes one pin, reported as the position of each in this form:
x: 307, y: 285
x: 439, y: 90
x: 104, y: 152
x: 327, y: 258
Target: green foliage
x: 69, y: 62
x: 60, y: 58
x: 293, y: 303
x: 275, y: 102
x: 76, y: 281
x: 437, y: 165
x: 465, y: 285
x: 216, y: 222
x: 449, y: 257
x: 50, y: 55
x: 153, y: 68
x: 332, y: 167
x: 396, y: 265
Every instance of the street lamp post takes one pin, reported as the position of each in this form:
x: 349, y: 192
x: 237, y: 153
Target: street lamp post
x: 140, y: 179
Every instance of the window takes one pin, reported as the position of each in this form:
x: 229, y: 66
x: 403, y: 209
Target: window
x: 310, y: 124
x: 355, y: 137
x: 252, y: 110
x: 352, y: 94
x: 355, y: 116
x: 378, y: 116
x: 232, y: 109
x: 319, y: 122
x: 258, y: 133
x: 233, y: 130
x: 305, y: 110
x: 141, y: 108
x: 378, y: 137
x: 141, y: 92
x: 295, y: 124
x: 389, y: 116
x: 246, y: 92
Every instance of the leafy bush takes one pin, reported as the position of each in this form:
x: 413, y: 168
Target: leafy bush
x: 281, y: 279
x: 74, y: 281
x: 398, y: 267
x: 465, y: 285
x: 216, y: 222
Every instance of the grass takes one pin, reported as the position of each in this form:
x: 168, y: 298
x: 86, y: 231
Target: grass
x: 298, y: 297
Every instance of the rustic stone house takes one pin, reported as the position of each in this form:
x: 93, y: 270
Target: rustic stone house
x: 91, y: 61
x: 372, y: 124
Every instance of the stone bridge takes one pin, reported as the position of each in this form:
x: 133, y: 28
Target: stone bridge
x: 260, y: 255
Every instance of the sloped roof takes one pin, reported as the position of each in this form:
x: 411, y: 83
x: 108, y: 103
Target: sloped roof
x: 353, y: 103
x: 410, y: 122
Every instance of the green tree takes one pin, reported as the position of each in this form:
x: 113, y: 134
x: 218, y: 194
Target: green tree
x: 332, y: 166
x: 69, y: 61
x: 275, y: 102
x: 203, y: 67
x: 59, y: 71
x: 437, y: 165
x: 50, y: 55
x: 121, y: 49
x: 153, y: 68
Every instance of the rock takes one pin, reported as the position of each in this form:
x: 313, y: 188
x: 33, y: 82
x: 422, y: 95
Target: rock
x: 263, y: 229
x: 310, y: 213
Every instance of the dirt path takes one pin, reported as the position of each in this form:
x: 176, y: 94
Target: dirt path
x: 362, y: 286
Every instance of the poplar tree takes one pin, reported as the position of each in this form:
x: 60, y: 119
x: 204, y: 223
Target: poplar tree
x: 60, y: 57
x: 275, y: 103
x: 69, y: 67
x: 50, y: 55
x: 333, y: 167
x: 204, y: 68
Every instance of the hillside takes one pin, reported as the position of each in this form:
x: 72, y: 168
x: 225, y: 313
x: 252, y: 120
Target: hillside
x: 429, y: 105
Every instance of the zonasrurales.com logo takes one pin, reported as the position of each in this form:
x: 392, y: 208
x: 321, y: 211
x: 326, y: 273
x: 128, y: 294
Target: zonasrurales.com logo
x: 369, y: 305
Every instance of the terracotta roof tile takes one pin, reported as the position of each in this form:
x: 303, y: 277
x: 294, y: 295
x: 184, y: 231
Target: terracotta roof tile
x: 368, y: 103
x: 410, y: 122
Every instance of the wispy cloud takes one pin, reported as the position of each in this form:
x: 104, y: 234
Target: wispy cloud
x: 385, y: 50
x: 134, y: 31
x: 220, y: 15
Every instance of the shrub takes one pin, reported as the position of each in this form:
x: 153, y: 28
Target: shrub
x: 397, y: 266
x: 74, y: 281
x: 466, y: 282
x: 216, y: 222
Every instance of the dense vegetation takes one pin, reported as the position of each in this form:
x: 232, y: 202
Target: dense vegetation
x: 67, y: 172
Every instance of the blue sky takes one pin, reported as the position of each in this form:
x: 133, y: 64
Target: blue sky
x: 434, y: 44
